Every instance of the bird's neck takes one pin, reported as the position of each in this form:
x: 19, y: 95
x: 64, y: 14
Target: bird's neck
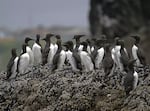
x: 122, y: 48
x: 85, y: 48
x: 70, y: 48
x: 67, y: 49
x: 77, y: 41
x: 137, y: 44
x: 59, y: 45
x: 37, y: 41
x: 107, y: 50
x: 27, y: 43
x: 48, y: 43
x: 14, y: 55
x: 24, y: 51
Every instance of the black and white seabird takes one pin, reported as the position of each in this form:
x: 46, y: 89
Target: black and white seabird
x: 12, y: 65
x: 37, y: 50
x: 86, y: 60
x: 115, y: 53
x: 93, y: 42
x: 69, y: 55
x: 137, y: 52
x: 77, y: 45
x: 107, y: 61
x: 29, y: 51
x: 55, y: 45
x: 124, y: 58
x: 59, y: 57
x: 53, y: 49
x: 23, y: 61
x: 46, y: 50
x: 131, y: 78
x: 98, y: 53
x: 76, y: 56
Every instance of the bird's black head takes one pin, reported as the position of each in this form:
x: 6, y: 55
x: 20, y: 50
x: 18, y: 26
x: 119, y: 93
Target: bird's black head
x: 57, y: 37
x: 117, y: 40
x: 69, y: 45
x: 121, y: 42
x: 137, y: 38
x: 48, y: 36
x: 107, y: 46
x: 13, y: 52
x: 77, y: 37
x: 93, y: 41
x: 100, y: 43
x: 27, y: 39
x: 88, y: 41
x: 84, y: 43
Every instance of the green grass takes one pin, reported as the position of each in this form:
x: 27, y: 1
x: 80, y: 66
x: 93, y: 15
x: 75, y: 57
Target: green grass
x: 5, y: 51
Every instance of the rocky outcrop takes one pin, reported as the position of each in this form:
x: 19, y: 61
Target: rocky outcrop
x: 41, y: 90
x: 118, y: 17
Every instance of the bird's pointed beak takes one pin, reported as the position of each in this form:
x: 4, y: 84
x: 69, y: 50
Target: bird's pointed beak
x: 31, y: 39
x: 81, y: 36
x: 132, y: 61
x: 43, y: 39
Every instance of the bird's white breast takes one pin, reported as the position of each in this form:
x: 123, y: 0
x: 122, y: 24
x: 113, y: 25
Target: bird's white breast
x: 29, y: 51
x: 51, y: 54
x: 92, y: 48
x: 24, y: 62
x: 117, y: 55
x: 62, y: 59
x: 135, y: 79
x: 36, y: 49
x: 80, y: 48
x: 99, y: 57
x: 89, y: 49
x: 71, y: 59
x: 55, y: 48
x: 134, y: 53
x: 86, y: 61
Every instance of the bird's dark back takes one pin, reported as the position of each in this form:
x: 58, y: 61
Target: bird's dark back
x: 45, y: 53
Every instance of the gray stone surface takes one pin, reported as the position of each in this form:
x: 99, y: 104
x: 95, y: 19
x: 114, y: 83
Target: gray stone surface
x: 41, y: 90
x: 118, y: 17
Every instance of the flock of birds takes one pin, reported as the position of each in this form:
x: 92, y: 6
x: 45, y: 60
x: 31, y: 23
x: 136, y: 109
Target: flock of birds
x: 87, y: 56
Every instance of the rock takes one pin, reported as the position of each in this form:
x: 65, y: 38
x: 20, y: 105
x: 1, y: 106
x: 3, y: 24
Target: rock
x: 41, y: 90
x: 110, y: 16
x: 2, y: 98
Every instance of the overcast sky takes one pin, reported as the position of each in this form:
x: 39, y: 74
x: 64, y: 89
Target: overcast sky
x: 28, y: 13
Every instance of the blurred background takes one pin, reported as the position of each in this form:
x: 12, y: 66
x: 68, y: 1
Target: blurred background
x: 22, y: 18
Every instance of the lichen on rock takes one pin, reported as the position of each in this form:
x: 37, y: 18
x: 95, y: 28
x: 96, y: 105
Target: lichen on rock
x: 41, y: 90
